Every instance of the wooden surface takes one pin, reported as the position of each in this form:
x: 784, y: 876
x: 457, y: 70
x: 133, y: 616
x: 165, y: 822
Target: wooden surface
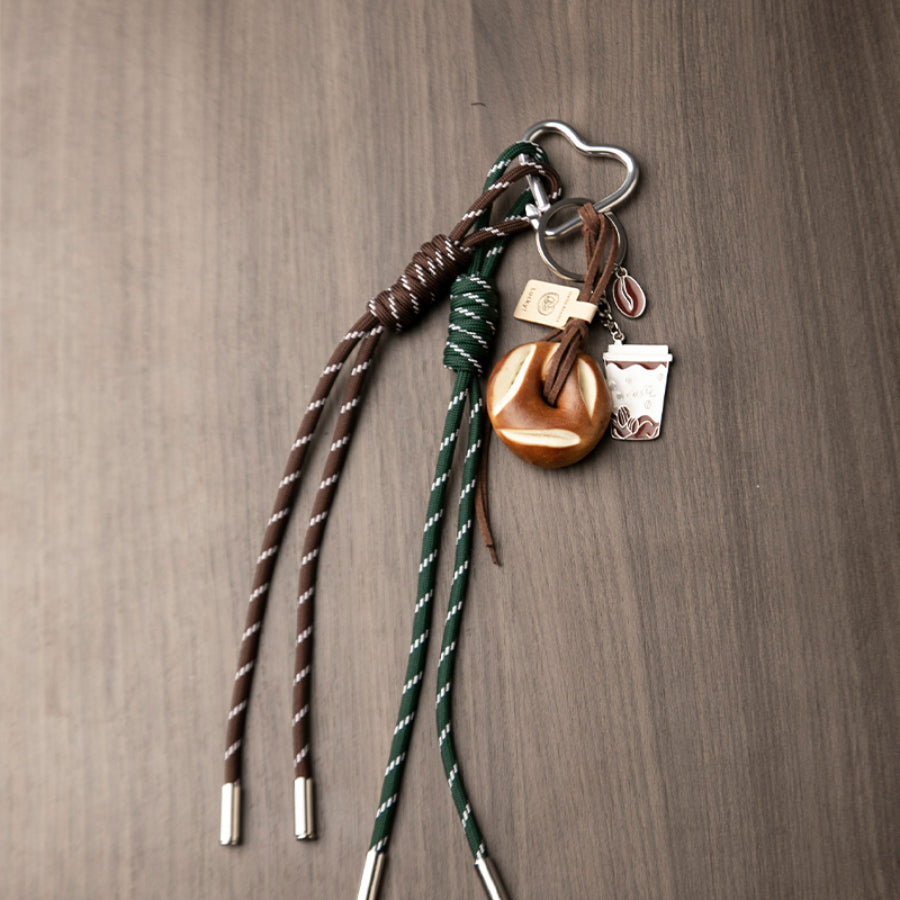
x: 682, y: 683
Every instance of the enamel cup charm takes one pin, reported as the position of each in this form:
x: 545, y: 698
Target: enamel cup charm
x: 637, y: 376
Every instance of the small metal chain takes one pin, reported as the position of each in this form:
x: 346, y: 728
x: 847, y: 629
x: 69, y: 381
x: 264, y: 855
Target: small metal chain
x: 605, y: 317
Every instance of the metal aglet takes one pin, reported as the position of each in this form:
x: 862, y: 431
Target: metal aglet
x: 230, y: 821
x: 490, y: 878
x: 371, y: 879
x: 304, y: 809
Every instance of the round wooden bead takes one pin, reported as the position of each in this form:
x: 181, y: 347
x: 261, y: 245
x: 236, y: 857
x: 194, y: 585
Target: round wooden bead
x: 547, y: 436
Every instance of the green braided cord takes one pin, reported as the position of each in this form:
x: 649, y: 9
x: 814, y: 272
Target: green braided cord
x: 470, y: 293
x: 418, y: 650
x: 452, y: 624
x: 473, y: 322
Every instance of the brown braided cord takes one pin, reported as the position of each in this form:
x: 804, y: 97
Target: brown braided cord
x: 425, y: 280
x: 310, y: 559
x: 265, y: 563
x: 600, y: 239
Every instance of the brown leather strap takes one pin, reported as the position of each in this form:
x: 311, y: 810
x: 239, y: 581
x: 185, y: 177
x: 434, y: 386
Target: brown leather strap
x: 601, y: 247
x: 482, y: 509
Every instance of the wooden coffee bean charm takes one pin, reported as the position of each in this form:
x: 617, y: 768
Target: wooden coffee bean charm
x: 547, y: 436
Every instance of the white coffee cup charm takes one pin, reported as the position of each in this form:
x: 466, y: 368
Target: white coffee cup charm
x: 637, y: 374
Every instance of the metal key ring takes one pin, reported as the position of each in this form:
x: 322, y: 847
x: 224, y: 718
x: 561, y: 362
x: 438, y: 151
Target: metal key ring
x: 544, y: 250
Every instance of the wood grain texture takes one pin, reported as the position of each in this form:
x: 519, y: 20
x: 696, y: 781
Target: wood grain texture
x: 683, y: 681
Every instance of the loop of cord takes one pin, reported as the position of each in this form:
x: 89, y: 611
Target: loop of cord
x: 417, y: 292
x: 600, y: 242
x: 438, y: 261
x: 473, y: 320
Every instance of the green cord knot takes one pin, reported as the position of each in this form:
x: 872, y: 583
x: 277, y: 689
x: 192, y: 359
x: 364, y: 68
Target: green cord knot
x: 474, y: 313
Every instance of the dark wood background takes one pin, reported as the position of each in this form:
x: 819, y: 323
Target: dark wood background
x: 683, y: 681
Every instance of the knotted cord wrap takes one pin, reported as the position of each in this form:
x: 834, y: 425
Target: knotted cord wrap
x: 600, y: 240
x: 474, y: 314
x: 424, y: 281
x: 473, y: 323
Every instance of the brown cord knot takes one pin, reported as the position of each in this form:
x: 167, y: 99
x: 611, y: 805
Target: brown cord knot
x: 426, y: 279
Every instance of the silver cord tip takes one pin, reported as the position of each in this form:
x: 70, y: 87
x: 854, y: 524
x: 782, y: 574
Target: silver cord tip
x: 230, y: 821
x: 371, y: 879
x: 304, y: 809
x: 490, y: 878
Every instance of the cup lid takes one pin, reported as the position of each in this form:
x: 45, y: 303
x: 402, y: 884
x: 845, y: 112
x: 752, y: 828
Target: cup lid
x: 619, y: 352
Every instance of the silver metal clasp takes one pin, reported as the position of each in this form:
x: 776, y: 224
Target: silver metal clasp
x: 541, y: 200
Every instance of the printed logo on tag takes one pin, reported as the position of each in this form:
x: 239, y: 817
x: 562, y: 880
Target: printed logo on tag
x: 545, y: 303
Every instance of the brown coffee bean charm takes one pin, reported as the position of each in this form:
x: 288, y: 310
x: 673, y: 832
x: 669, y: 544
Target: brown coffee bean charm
x: 547, y: 436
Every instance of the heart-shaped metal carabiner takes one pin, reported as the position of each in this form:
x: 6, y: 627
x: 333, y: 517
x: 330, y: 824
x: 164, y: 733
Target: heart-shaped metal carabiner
x: 553, y: 126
